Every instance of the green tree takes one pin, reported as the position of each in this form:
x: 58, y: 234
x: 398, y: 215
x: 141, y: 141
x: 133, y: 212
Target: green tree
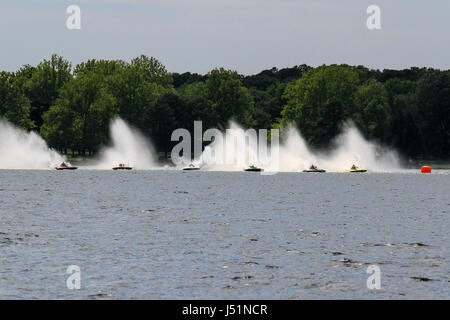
x: 180, y: 80
x: 195, y: 96
x: 373, y: 113
x: 262, y: 100
x: 228, y: 98
x: 404, y: 108
x: 163, y: 118
x: 137, y: 88
x: 59, y: 127
x: 83, y: 111
x: 105, y: 68
x: 14, y: 105
x: 152, y: 70
x: 319, y: 101
x: 433, y: 109
x: 406, y: 135
x: 41, y: 84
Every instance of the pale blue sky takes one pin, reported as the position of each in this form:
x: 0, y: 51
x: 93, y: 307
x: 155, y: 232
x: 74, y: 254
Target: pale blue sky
x: 244, y: 35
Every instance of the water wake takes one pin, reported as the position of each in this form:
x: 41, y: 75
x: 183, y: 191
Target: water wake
x: 295, y: 155
x: 352, y: 147
x: 25, y: 150
x: 232, y: 151
x: 128, y: 146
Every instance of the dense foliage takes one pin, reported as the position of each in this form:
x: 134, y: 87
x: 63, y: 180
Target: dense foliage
x: 71, y: 108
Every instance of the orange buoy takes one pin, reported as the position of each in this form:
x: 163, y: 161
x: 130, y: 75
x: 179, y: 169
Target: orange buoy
x: 426, y: 169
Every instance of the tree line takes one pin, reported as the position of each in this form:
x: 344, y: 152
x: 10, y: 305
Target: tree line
x: 71, y: 107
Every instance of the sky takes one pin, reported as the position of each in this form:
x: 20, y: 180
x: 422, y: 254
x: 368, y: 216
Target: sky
x: 243, y: 35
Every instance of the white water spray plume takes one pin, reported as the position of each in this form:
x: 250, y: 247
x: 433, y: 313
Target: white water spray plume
x: 128, y: 146
x: 353, y: 148
x: 295, y: 155
x: 27, y: 150
x: 233, y: 151
x: 20, y: 149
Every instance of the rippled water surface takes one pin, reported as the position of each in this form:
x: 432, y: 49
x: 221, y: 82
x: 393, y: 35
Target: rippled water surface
x: 223, y: 235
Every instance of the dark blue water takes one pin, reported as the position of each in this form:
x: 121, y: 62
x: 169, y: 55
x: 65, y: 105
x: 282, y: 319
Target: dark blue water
x: 223, y: 235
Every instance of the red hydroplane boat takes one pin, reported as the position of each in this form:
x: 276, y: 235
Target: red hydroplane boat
x: 64, y: 166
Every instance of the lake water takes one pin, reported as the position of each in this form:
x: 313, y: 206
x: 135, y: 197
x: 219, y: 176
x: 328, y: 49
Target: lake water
x: 223, y: 235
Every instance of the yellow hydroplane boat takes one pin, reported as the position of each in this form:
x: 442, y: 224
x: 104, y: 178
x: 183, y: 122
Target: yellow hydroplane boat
x: 356, y: 169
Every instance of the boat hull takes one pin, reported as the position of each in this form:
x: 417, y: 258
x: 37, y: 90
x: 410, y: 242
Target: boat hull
x: 254, y: 170
x: 357, y: 171
x: 66, y: 168
x: 122, y: 168
x: 318, y: 171
x: 190, y: 169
